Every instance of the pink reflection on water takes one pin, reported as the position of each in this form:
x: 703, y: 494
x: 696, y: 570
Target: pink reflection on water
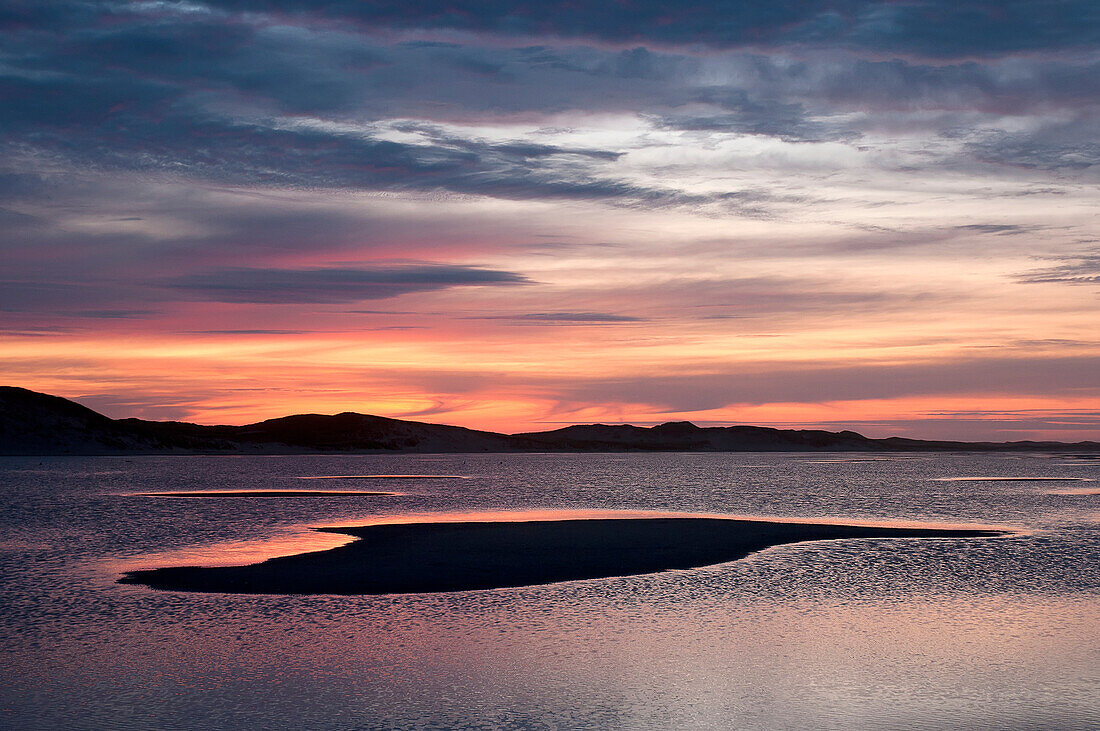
x: 519, y: 516
x: 237, y: 552
x: 512, y: 516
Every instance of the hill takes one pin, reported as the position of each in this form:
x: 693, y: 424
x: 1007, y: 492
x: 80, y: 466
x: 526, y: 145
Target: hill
x: 39, y: 424
x: 34, y: 423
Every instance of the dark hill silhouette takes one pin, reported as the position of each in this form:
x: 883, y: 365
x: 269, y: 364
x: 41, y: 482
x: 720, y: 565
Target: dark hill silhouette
x: 683, y: 436
x: 341, y: 433
x: 34, y: 423
x: 39, y: 424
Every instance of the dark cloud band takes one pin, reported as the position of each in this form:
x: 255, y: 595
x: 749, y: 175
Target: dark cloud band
x: 1067, y: 375
x: 940, y: 28
x: 334, y: 285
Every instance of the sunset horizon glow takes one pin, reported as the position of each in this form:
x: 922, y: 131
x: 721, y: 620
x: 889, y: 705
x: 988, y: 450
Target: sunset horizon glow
x: 869, y: 215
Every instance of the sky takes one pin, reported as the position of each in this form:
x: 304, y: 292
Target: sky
x: 875, y: 215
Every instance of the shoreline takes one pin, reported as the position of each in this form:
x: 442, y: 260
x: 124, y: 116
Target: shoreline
x: 426, y: 557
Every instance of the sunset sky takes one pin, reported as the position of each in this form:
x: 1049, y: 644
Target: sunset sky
x: 882, y: 216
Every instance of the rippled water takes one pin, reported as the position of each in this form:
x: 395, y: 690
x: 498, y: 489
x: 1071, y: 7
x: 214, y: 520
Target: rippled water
x: 986, y: 633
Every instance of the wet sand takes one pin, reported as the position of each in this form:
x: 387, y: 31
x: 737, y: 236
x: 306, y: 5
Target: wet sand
x: 438, y: 557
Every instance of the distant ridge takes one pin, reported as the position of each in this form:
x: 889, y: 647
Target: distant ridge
x: 33, y: 423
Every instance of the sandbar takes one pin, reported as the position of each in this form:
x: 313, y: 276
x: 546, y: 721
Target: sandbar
x: 384, y: 477
x: 1011, y: 479
x: 263, y: 493
x: 441, y: 557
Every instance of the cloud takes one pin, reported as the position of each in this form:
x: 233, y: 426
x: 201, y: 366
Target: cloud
x: 732, y: 110
x: 297, y: 70
x: 300, y: 98
x: 1072, y: 375
x: 152, y: 137
x: 925, y: 27
x: 1070, y: 146
x: 1080, y: 269
x: 80, y: 299
x: 518, y: 150
x: 998, y: 229
x: 715, y: 297
x: 37, y: 332
x: 163, y: 406
x: 563, y: 318
x: 333, y: 285
x: 247, y: 332
x: 229, y: 102
x: 109, y: 314
x: 964, y: 425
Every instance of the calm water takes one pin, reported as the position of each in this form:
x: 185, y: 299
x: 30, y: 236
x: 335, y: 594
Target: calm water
x: 979, y: 633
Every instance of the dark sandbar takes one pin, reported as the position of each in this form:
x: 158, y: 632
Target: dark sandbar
x: 436, y: 557
x: 264, y: 493
x: 384, y: 477
x: 1011, y: 479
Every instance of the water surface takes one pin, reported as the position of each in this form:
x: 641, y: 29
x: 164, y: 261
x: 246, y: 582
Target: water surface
x: 835, y: 634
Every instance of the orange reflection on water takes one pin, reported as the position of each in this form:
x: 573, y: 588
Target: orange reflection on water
x: 519, y: 516
x: 512, y: 516
x: 301, y: 539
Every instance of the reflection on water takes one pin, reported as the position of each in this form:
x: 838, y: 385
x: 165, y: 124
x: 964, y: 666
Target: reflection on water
x: 849, y: 634
x: 518, y: 516
x: 512, y: 516
x: 232, y: 553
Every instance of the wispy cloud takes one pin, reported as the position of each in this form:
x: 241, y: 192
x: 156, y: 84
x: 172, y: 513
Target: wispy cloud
x: 1081, y: 269
x: 998, y: 229
x: 247, y: 332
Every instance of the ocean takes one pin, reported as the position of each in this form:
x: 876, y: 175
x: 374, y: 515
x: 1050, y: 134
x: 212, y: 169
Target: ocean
x: 896, y: 633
